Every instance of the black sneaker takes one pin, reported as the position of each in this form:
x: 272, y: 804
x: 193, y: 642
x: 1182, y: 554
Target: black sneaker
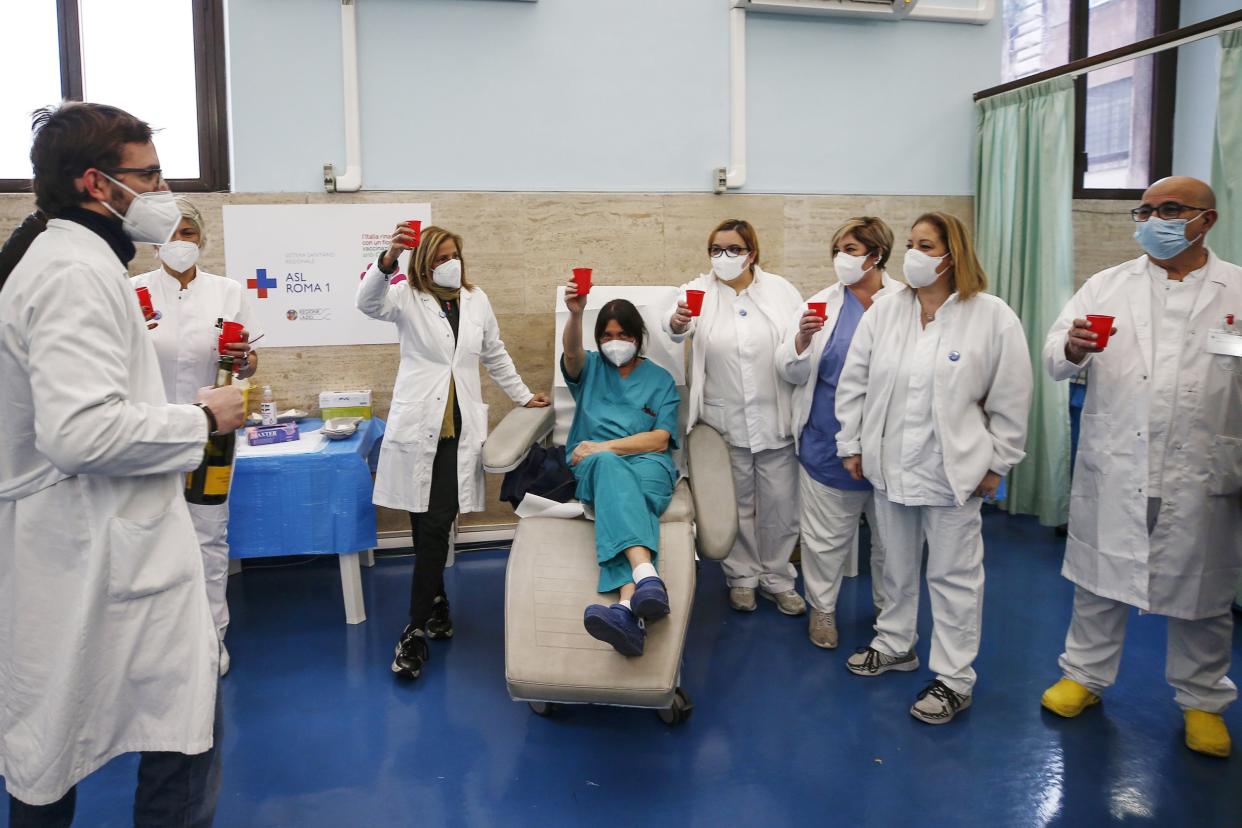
x: 411, y: 653
x: 440, y: 625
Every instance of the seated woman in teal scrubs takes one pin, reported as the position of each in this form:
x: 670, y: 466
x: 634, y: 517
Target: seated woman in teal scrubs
x: 620, y: 450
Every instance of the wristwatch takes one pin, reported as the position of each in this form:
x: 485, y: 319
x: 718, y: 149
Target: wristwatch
x: 212, y: 425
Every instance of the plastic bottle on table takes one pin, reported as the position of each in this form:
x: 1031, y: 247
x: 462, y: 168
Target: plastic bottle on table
x: 267, y: 409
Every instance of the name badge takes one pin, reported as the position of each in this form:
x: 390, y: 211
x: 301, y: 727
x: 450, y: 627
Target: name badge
x: 1223, y: 343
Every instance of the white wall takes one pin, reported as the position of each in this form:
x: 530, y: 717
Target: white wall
x: 613, y: 95
x: 1198, y: 78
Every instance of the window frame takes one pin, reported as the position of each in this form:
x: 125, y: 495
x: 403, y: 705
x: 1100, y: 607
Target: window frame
x: 211, y: 92
x: 1164, y: 94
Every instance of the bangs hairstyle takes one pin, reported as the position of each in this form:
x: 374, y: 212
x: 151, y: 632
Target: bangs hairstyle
x: 968, y: 277
x: 871, y: 232
x: 419, y: 269
x: 70, y: 139
x: 627, y: 316
x: 743, y: 229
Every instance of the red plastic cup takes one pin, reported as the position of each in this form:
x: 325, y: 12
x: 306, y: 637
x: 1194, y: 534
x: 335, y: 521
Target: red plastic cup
x: 416, y: 227
x: 1102, y: 326
x: 694, y: 298
x: 820, y: 309
x: 582, y: 278
x: 144, y: 302
x: 230, y: 332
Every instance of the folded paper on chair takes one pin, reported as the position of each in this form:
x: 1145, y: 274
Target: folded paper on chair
x: 535, y: 506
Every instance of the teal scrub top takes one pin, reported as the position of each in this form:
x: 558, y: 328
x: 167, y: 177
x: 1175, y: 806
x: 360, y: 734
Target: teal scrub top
x: 610, y: 407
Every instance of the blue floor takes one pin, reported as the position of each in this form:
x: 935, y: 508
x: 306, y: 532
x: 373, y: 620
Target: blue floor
x: 319, y: 734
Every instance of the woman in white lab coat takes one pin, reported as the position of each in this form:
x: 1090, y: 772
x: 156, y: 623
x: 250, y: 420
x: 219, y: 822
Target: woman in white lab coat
x: 735, y: 389
x: 811, y: 358
x: 188, y: 302
x: 430, y: 464
x: 933, y: 404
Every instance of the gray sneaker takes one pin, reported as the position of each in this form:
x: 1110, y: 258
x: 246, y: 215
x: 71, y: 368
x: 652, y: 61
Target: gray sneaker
x: 937, y: 704
x: 789, y: 602
x: 742, y: 599
x: 870, y: 662
x: 823, y: 629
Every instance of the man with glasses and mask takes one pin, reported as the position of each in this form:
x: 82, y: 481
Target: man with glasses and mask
x: 1156, y: 507
x: 107, y: 645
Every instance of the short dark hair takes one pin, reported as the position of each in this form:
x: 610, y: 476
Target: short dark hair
x: 70, y: 139
x: 627, y: 316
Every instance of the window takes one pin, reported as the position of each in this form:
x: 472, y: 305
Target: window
x: 1124, y: 129
x: 162, y: 60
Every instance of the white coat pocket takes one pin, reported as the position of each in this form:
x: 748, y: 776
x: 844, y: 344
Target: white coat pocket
x: 405, y: 422
x: 150, y: 555
x: 1225, y: 476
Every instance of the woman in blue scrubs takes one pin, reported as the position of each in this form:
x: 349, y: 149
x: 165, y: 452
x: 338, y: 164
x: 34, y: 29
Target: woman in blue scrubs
x: 811, y: 358
x: 620, y: 449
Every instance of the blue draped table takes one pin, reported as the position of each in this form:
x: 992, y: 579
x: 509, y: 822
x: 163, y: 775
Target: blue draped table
x: 318, y: 503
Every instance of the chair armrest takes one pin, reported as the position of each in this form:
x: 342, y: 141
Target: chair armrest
x: 711, y: 486
x: 507, y: 446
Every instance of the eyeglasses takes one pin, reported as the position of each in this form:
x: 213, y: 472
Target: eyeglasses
x: 732, y: 252
x: 1167, y: 210
x: 149, y: 175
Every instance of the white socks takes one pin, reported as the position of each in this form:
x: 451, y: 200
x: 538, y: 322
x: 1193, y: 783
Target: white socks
x: 626, y: 604
x: 644, y: 570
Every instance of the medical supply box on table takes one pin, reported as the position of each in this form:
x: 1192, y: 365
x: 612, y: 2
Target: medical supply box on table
x: 267, y: 435
x: 334, y: 404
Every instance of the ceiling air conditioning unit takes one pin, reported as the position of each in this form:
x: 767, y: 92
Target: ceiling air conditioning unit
x: 874, y: 9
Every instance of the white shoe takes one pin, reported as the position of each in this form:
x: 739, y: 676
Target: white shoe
x: 867, y: 661
x: 788, y: 602
x: 823, y: 629
x: 937, y: 704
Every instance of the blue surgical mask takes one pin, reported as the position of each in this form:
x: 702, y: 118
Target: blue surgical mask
x: 1164, y: 239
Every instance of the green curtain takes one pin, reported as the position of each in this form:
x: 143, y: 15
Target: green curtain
x: 1024, y: 237
x: 1226, y: 238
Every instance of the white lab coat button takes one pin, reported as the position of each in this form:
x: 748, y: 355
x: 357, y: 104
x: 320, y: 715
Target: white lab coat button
x: 742, y: 312
x: 954, y: 356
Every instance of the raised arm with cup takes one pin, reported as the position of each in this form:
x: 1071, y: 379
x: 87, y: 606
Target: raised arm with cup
x: 625, y: 425
x: 430, y: 464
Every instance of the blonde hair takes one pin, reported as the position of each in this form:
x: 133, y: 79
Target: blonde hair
x: 871, y: 232
x: 968, y: 277
x: 189, y: 211
x: 420, y: 268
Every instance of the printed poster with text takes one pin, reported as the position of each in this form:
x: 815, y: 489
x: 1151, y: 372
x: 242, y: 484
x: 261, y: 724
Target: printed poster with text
x: 300, y: 265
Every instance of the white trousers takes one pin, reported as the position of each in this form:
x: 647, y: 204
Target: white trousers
x: 829, y: 519
x: 766, y: 485
x: 954, y: 580
x: 1195, y: 663
x: 211, y: 524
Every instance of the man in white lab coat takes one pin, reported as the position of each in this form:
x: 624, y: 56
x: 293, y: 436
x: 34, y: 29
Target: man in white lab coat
x: 107, y: 644
x: 1156, y: 507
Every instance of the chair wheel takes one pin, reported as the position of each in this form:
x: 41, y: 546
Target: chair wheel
x: 679, y: 711
x: 544, y: 709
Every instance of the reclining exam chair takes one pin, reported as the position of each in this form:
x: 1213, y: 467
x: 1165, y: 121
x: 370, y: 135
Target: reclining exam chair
x: 552, y: 574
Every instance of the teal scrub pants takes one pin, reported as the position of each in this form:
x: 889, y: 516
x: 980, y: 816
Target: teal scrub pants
x: 628, y: 495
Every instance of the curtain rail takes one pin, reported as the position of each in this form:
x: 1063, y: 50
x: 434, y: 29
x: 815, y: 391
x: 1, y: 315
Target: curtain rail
x: 1150, y: 46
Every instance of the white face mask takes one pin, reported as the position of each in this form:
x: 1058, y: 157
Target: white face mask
x: 151, y: 218
x: 618, y: 351
x: 727, y: 269
x: 850, y: 268
x: 920, y: 269
x: 180, y: 256
x: 448, y: 275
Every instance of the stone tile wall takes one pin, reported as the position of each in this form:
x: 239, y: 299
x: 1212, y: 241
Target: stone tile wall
x: 519, y: 247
